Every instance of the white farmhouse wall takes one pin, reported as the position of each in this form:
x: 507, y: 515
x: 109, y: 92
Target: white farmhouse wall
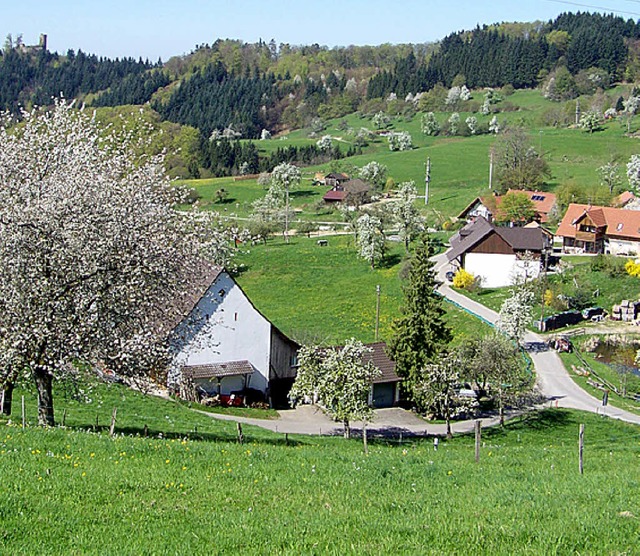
x: 226, y: 327
x: 498, y: 270
x: 621, y: 247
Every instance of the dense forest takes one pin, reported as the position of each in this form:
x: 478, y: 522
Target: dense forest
x: 493, y: 57
x: 234, y: 90
x: 28, y: 78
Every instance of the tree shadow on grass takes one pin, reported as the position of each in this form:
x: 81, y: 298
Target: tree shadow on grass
x: 390, y: 261
x: 153, y: 433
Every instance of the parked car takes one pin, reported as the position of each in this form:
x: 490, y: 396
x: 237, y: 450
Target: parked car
x: 449, y: 275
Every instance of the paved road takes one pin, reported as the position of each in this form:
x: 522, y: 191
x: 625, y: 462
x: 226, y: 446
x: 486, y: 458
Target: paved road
x: 553, y: 379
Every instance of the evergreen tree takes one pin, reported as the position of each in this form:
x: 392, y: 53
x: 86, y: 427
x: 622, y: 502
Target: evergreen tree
x: 421, y: 333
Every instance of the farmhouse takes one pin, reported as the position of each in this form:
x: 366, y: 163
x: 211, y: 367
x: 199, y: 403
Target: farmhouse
x: 595, y: 229
x: 353, y: 192
x: 488, y: 207
x: 224, y: 345
x: 499, y: 255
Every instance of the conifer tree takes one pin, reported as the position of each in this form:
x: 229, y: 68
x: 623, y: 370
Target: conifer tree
x: 421, y: 333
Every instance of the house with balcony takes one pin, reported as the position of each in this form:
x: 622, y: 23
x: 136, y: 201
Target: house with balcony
x: 595, y: 229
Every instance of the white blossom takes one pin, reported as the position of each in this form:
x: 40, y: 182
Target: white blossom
x: 94, y: 254
x: 400, y: 141
x: 370, y: 238
x: 516, y: 314
x: 429, y: 124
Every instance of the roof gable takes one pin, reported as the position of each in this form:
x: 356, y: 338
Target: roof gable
x: 616, y: 222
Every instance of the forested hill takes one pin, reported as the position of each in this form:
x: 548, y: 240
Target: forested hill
x: 231, y: 89
x: 494, y: 56
x: 33, y: 77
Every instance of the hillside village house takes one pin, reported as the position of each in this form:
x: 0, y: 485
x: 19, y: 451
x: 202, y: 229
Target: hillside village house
x: 499, y: 255
x: 353, y: 192
x: 487, y: 207
x: 224, y: 345
x: 596, y: 229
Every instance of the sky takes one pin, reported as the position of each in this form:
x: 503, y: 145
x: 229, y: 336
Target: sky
x: 153, y: 29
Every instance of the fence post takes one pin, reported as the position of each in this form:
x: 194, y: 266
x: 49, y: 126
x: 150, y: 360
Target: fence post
x: 240, y: 435
x: 364, y: 439
x: 23, y: 413
x: 581, y: 449
x: 478, y: 429
x: 112, y: 428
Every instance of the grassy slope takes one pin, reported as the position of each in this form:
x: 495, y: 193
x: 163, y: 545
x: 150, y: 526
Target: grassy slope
x: 73, y: 492
x: 327, y: 294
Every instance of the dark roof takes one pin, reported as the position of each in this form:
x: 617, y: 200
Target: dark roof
x: 334, y: 195
x: 204, y: 274
x: 519, y: 239
x: 218, y: 370
x: 337, y: 176
x: 356, y: 186
x: 522, y: 239
x: 381, y: 360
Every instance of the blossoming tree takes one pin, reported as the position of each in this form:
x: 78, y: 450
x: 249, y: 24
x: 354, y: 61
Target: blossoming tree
x: 93, y: 253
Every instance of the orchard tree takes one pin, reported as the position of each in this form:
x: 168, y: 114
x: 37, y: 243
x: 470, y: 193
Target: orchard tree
x: 400, y: 141
x: 370, y: 238
x: 633, y: 172
x: 325, y: 143
x: 609, y: 175
x: 472, y: 124
x: 420, y: 334
x: 494, y: 125
x: 339, y: 379
x: 590, y: 121
x: 405, y: 213
x: 437, y: 392
x: 286, y: 176
x: 429, y: 124
x: 516, y: 314
x: 454, y: 122
x: 93, y: 251
x: 631, y: 106
x: 517, y: 207
x: 518, y: 165
x: 374, y: 173
x: 493, y: 363
x: 381, y: 121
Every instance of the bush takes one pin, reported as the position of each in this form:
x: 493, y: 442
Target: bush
x: 633, y: 268
x: 464, y: 280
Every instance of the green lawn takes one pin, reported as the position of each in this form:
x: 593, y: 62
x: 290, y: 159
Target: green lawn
x: 75, y: 492
x: 328, y: 294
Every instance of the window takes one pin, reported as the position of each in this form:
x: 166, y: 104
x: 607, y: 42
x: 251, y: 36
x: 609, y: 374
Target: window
x: 221, y: 293
x: 619, y: 227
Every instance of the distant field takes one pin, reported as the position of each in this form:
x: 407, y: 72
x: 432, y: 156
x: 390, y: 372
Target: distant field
x: 67, y: 491
x: 328, y: 294
x: 460, y: 165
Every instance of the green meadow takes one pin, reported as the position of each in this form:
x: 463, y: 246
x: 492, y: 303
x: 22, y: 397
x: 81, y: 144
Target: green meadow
x: 190, y: 487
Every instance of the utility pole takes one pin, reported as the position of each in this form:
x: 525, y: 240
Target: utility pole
x: 491, y: 169
x: 578, y: 112
x: 377, y: 310
x: 427, y: 179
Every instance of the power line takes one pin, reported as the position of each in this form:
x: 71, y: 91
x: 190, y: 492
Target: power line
x: 580, y: 5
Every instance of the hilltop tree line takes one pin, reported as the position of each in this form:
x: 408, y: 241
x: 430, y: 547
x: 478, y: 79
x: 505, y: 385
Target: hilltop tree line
x: 493, y: 57
x: 28, y: 78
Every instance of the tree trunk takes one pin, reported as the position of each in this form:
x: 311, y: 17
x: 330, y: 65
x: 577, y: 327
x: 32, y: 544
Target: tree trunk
x: 449, y: 433
x: 501, y: 411
x: 44, y: 382
x: 347, y: 430
x: 7, y: 391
